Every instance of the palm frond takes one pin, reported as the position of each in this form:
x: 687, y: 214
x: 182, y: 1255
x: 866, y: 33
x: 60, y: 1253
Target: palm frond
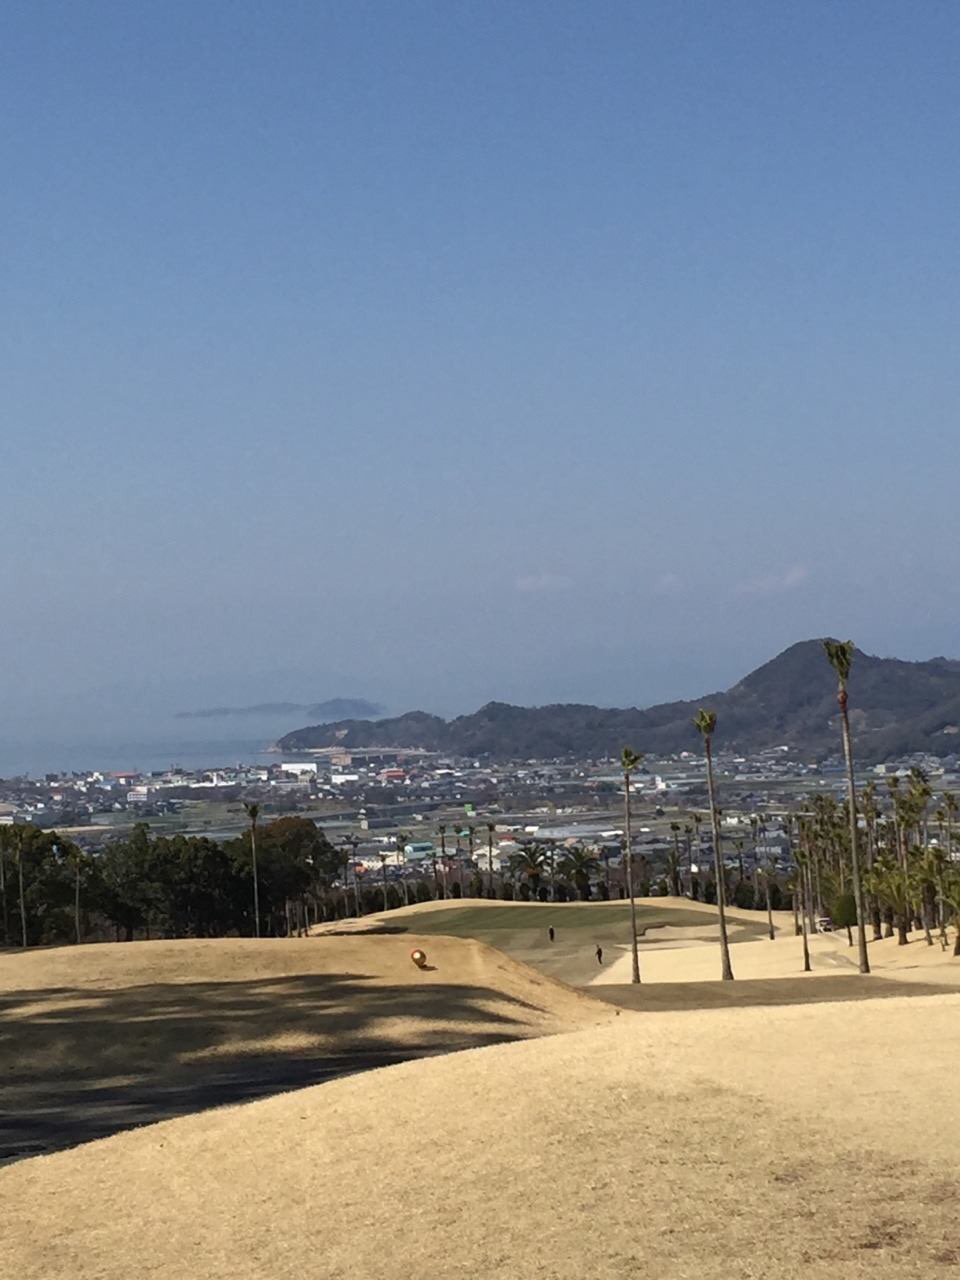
x: 840, y: 656
x: 705, y: 722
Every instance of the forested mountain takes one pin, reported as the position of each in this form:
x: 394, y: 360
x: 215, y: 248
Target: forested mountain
x: 895, y: 708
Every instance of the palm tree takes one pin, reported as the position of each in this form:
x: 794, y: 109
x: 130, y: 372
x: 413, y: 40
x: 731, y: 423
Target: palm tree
x: 3, y: 892
x: 350, y: 843
x: 18, y: 833
x: 458, y: 858
x: 383, y: 870
x: 605, y: 855
x: 802, y: 883
x: 889, y: 882
x: 673, y: 863
x: 253, y: 813
x: 529, y: 863
x: 706, y: 724
x: 933, y: 871
x: 402, y: 838
x: 75, y: 855
x: 629, y: 763
x: 793, y: 881
x: 951, y: 896
x: 767, y: 876
x: 442, y: 883
x: 868, y: 806
x: 840, y: 656
x: 578, y: 865
x: 552, y: 870
x: 950, y: 807
x: 470, y: 833
x: 346, y: 876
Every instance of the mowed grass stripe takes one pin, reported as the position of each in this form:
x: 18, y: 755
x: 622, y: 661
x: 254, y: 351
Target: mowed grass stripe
x: 579, y: 928
x: 601, y: 919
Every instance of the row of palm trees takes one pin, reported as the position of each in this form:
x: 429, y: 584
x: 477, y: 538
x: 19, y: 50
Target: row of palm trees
x: 840, y: 656
x: 908, y: 881
x: 630, y: 760
x: 904, y: 876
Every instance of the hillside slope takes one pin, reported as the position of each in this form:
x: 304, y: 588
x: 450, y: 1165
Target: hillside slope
x: 153, y: 1008
x: 726, y: 1145
x: 896, y: 707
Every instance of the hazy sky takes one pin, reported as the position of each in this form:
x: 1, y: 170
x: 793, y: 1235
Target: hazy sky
x: 438, y: 352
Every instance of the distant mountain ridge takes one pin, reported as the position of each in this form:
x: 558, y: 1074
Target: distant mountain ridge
x: 332, y: 709
x: 896, y: 708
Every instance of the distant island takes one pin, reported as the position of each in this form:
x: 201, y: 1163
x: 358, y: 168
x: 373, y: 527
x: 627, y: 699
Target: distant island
x: 896, y: 708
x: 321, y: 712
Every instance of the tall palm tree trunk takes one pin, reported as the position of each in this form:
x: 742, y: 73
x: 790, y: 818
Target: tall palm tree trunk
x: 872, y: 901
x: 3, y: 895
x: 816, y: 887
x: 864, y: 961
x: 807, y: 911
x: 726, y: 966
x: 253, y: 813
x: 402, y: 861
x: 628, y: 856
x: 675, y: 887
x: 23, y: 909
x: 76, y: 897
x: 903, y: 916
x: 256, y: 879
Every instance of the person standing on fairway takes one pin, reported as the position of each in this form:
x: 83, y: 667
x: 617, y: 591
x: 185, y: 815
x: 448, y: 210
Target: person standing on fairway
x: 550, y: 933
x: 599, y: 954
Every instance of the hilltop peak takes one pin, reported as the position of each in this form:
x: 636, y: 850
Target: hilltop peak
x: 897, y: 707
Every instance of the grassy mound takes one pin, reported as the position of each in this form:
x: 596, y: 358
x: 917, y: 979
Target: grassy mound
x: 725, y: 1145
x: 96, y: 1037
x: 521, y: 929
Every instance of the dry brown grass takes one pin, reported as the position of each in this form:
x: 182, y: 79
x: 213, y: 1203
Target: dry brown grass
x: 153, y: 1010
x: 814, y: 1141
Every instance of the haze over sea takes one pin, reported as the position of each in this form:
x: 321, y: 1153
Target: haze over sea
x: 154, y: 744
x: 35, y: 759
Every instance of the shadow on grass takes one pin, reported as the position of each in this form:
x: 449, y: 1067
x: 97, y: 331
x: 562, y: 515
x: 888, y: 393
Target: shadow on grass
x: 78, y: 1064
x: 746, y: 992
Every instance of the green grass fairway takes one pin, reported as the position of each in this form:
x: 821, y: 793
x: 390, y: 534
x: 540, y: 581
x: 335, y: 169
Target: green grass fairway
x: 521, y: 931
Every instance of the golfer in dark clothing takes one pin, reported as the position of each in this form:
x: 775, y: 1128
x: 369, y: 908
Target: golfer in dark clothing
x: 599, y: 954
x: 550, y: 933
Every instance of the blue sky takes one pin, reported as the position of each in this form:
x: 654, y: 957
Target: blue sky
x: 437, y: 352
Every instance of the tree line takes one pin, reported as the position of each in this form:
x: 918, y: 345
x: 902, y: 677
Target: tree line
x: 178, y: 886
